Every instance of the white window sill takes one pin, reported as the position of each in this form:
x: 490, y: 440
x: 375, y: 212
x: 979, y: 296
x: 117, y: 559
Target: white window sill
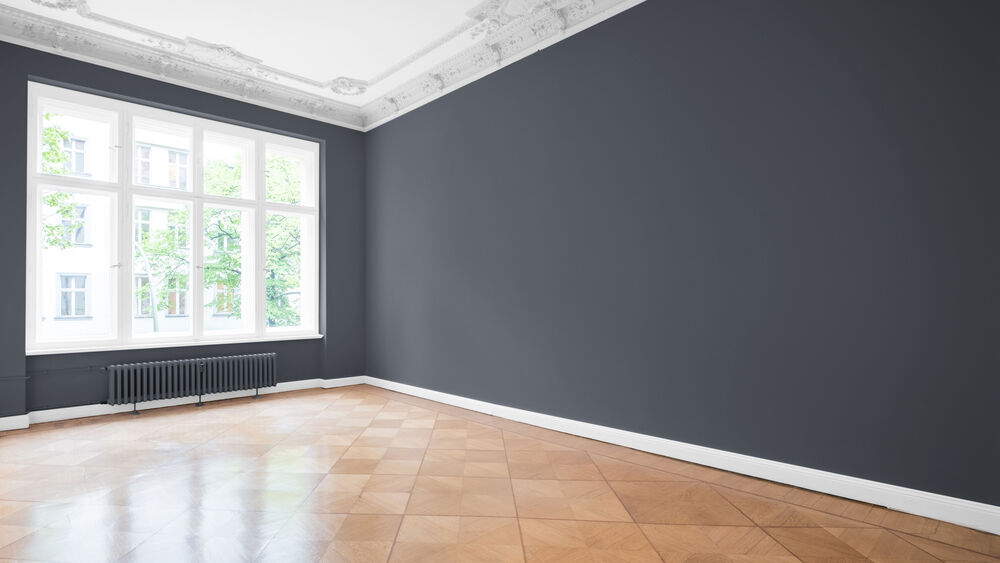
x: 82, y: 348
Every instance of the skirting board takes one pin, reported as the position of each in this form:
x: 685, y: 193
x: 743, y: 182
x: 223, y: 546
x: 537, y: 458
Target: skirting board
x: 968, y: 513
x: 68, y: 413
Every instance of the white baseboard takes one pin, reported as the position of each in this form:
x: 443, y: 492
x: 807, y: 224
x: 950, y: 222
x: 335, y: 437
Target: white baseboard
x: 68, y: 413
x: 16, y: 422
x: 931, y: 505
x: 345, y: 381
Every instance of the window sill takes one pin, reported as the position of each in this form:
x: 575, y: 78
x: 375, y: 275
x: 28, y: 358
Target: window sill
x: 74, y: 318
x: 176, y: 344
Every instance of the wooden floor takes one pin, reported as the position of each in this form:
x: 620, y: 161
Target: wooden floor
x: 364, y: 474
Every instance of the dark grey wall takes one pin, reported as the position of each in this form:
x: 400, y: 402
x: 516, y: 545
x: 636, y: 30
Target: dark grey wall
x: 40, y: 382
x: 767, y: 227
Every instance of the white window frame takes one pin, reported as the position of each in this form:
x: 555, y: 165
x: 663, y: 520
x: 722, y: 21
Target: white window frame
x: 125, y: 188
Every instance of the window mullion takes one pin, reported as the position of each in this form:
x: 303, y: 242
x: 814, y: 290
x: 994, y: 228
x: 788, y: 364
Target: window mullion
x: 123, y: 236
x: 196, y: 293
x: 259, y: 226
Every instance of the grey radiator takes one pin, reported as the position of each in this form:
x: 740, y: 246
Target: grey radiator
x: 149, y: 381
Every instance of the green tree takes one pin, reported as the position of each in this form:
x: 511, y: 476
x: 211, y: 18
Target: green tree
x: 283, y: 233
x: 54, y: 155
x: 224, y: 256
x: 223, y: 178
x: 283, y: 266
x: 163, y: 256
x: 284, y: 179
x: 59, y: 218
x: 223, y: 268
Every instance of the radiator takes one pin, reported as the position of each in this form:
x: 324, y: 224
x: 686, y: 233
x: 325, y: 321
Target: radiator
x: 149, y: 381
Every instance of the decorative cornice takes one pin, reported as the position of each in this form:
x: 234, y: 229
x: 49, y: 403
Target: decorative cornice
x: 60, y: 4
x: 500, y: 32
x: 211, y: 53
x: 505, y: 36
x: 180, y: 67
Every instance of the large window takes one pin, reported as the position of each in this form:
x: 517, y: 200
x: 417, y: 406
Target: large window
x: 153, y: 228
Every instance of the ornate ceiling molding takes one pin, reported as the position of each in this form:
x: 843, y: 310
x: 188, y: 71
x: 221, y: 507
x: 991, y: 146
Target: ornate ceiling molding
x: 211, y: 53
x: 500, y: 31
x: 506, y: 35
x: 180, y: 67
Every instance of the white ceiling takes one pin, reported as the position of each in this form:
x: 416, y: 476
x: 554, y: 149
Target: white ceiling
x: 357, y: 63
x: 319, y: 40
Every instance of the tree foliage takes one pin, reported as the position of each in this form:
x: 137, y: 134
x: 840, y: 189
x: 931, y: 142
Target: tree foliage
x: 59, y: 219
x: 284, y: 267
x: 54, y: 155
x: 223, y: 178
x: 163, y: 255
x: 224, y: 257
x: 282, y: 283
x: 284, y: 179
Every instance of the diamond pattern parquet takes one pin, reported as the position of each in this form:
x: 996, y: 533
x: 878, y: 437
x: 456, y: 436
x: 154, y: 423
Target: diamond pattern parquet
x: 368, y: 475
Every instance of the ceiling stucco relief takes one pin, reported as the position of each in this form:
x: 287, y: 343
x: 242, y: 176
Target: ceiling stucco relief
x: 484, y: 38
x: 60, y: 5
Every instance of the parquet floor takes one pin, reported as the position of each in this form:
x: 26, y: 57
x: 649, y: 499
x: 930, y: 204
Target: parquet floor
x: 364, y: 474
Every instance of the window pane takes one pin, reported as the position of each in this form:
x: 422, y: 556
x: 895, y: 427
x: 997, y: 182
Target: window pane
x: 162, y: 155
x: 78, y: 160
x: 162, y: 255
x: 141, y: 304
x: 226, y: 171
x: 77, y: 141
x: 81, y: 303
x: 283, y: 275
x: 289, y: 178
x: 228, y: 254
x: 67, y: 304
x: 74, y: 283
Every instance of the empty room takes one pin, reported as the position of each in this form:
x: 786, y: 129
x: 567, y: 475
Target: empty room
x: 490, y: 281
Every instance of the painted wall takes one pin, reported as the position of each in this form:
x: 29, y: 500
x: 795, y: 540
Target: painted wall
x: 39, y: 382
x: 767, y: 227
